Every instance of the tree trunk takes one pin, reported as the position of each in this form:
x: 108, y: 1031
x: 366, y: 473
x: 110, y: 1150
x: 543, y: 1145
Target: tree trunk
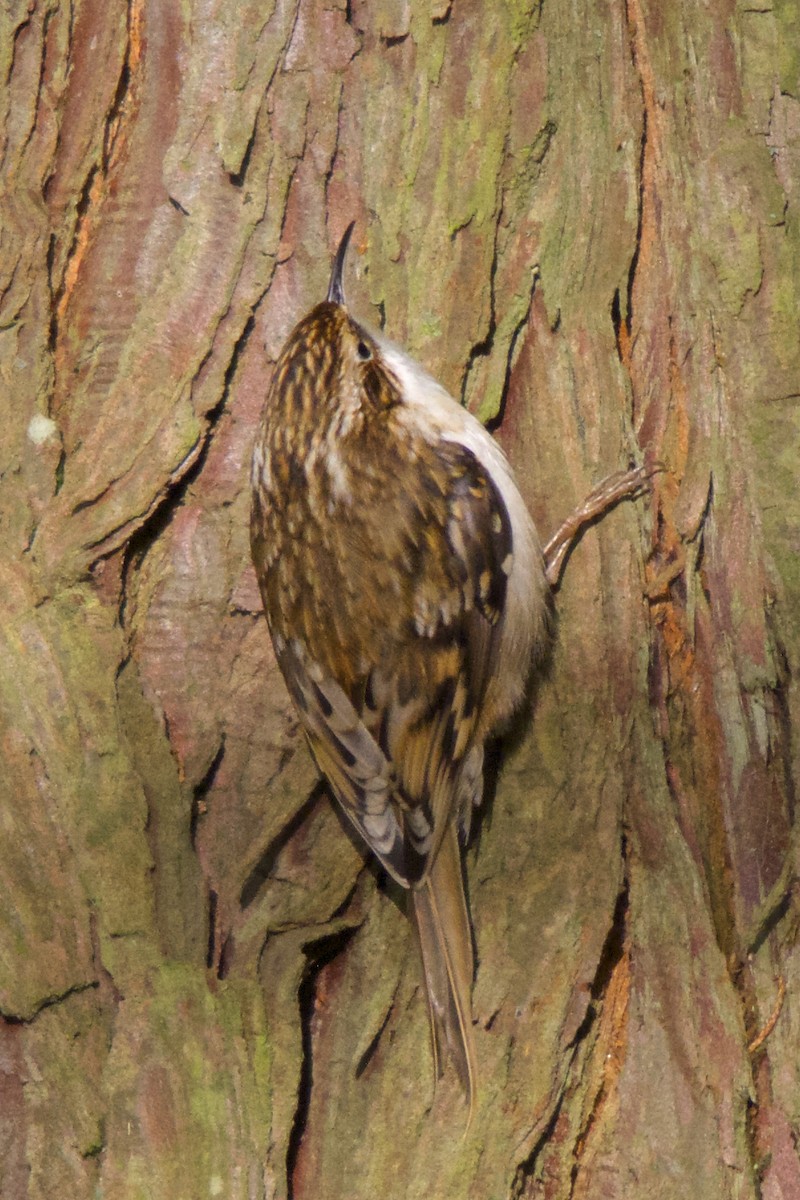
x: 583, y: 219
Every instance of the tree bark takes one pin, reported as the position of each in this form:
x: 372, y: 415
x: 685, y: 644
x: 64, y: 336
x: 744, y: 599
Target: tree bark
x: 583, y: 219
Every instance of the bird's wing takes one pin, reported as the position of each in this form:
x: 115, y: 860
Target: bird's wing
x: 395, y: 748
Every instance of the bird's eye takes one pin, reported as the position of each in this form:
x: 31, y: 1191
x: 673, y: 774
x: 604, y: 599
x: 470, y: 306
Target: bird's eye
x: 363, y: 351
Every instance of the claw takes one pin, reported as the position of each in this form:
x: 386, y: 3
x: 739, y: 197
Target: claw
x: 622, y: 485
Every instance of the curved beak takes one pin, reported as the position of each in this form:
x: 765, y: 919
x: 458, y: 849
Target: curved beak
x: 335, y: 289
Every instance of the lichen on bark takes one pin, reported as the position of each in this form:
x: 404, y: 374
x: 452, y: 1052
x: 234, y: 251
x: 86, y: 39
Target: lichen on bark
x: 584, y: 221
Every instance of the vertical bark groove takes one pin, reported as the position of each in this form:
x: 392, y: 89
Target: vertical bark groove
x: 585, y: 224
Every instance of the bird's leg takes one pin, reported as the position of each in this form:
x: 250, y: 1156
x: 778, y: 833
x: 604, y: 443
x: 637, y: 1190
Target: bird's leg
x: 620, y: 486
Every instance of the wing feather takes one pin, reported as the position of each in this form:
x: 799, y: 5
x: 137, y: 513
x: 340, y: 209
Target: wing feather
x: 397, y: 746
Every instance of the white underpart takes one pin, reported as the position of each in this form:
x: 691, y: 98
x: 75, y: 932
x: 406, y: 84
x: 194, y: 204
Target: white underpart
x: 432, y: 413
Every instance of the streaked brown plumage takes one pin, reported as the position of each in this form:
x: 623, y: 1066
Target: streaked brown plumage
x: 406, y: 594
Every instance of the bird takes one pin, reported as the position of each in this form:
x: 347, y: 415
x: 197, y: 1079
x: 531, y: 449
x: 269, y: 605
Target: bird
x: 407, y: 596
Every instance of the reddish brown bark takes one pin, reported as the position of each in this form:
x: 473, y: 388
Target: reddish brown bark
x: 585, y: 224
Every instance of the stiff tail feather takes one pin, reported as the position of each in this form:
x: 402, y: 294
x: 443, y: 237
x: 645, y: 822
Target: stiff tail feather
x: 440, y: 910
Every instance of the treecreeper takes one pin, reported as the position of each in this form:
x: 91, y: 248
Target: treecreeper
x: 408, y: 598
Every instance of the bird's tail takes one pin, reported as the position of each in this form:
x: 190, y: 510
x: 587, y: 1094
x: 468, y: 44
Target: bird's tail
x: 440, y: 910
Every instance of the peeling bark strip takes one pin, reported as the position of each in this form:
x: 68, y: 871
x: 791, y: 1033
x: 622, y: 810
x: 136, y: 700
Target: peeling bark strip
x: 718, y: 672
x: 585, y: 223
